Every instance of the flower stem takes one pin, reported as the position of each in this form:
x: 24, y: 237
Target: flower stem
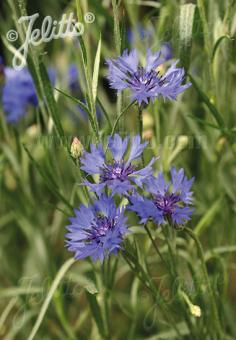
x: 166, y: 233
x: 208, y: 283
x: 140, y: 120
x: 147, y: 281
x: 155, y: 246
x: 119, y: 117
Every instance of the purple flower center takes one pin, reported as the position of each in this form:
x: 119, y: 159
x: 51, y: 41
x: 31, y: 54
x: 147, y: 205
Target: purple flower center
x: 117, y: 170
x: 141, y: 78
x: 167, y: 203
x: 100, y: 226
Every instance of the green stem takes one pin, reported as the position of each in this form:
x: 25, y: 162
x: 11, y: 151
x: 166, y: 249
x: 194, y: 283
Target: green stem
x: 140, y: 120
x: 145, y: 279
x: 207, y: 41
x: 106, y: 296
x: 208, y: 283
x: 155, y: 246
x: 171, y: 250
x: 119, y: 117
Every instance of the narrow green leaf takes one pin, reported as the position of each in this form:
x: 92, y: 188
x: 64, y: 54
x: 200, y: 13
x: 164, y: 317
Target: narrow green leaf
x: 203, y: 122
x: 97, y: 313
x: 217, y: 44
x: 96, y: 70
x: 77, y: 101
x: 120, y: 115
x: 105, y: 113
x: 186, y: 19
x: 65, y: 267
x: 17, y: 291
x: 117, y: 36
x: 219, y: 251
x: 146, y: 3
x: 213, y: 110
x: 79, y: 11
x: 49, y: 180
x: 208, y: 217
x: 50, y: 100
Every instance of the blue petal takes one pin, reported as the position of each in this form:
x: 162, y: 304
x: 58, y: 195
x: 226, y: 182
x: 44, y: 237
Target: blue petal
x: 94, y: 160
x: 117, y: 146
x: 136, y: 148
x: 181, y: 215
x: 120, y: 187
x: 106, y: 206
x: 177, y: 178
x: 144, y: 174
x: 153, y: 60
x: 145, y: 209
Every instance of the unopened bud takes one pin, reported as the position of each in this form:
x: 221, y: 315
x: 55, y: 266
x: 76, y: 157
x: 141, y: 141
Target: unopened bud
x: 148, y: 134
x: 182, y: 142
x: 76, y: 148
x: 195, y: 311
x: 147, y: 120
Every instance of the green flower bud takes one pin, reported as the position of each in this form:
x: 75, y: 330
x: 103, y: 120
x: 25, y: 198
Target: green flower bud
x: 76, y: 148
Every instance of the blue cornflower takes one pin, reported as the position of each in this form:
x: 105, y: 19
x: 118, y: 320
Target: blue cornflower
x: 169, y: 202
x: 73, y: 78
x: 97, y: 230
x: 17, y: 93
x: 117, y: 172
x: 145, y: 83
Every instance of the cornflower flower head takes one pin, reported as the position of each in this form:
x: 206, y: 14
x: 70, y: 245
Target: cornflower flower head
x: 19, y: 92
x: 118, y: 172
x: 145, y: 82
x: 97, y: 231
x: 170, y: 201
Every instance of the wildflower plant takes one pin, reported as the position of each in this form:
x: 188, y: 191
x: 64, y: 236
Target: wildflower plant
x: 145, y: 82
x: 97, y: 230
x: 117, y: 171
x: 170, y: 202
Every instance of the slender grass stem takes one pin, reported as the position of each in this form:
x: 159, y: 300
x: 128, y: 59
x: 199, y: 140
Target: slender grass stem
x: 140, y: 120
x: 145, y: 279
x: 155, y: 246
x: 166, y: 233
x: 208, y: 283
x: 120, y: 115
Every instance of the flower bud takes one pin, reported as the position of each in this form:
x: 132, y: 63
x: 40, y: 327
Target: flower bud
x: 76, y: 148
x: 147, y: 121
x: 195, y: 311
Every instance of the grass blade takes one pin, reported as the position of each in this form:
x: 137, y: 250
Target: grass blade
x: 65, y: 267
x: 96, y: 70
x: 186, y: 19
